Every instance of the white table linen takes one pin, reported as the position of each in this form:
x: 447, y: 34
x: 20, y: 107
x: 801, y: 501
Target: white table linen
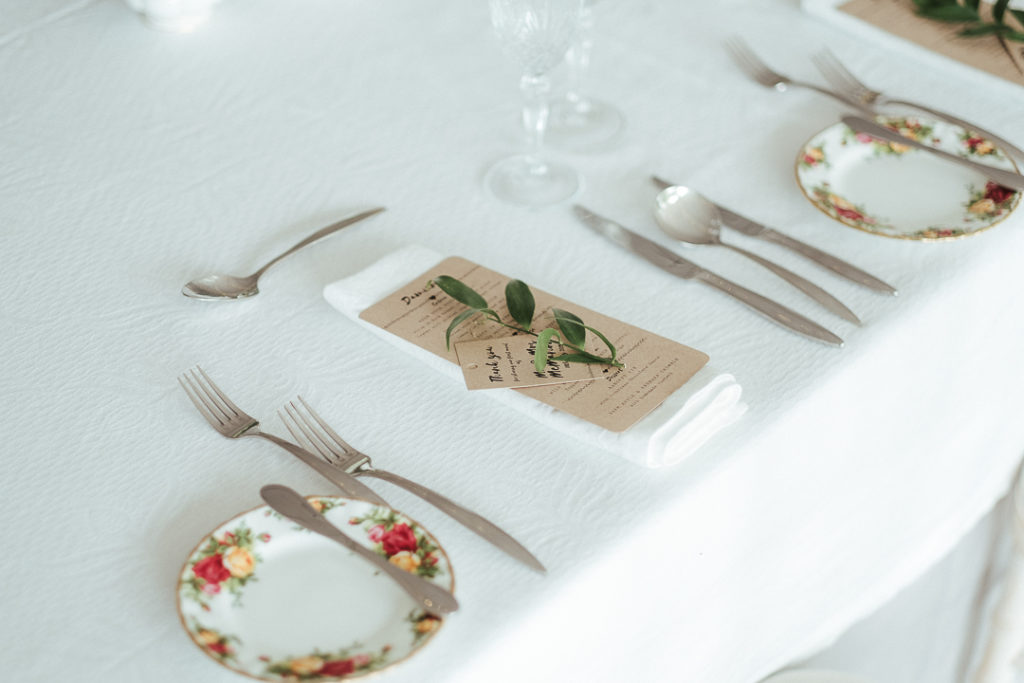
x: 134, y: 161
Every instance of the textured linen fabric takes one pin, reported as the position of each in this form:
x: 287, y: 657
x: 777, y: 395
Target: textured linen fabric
x: 706, y: 404
x: 133, y: 161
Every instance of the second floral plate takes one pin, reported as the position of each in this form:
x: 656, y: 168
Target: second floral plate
x: 271, y: 600
x: 896, y: 191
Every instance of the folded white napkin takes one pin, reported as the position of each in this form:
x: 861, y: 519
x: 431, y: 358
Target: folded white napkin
x: 693, y: 414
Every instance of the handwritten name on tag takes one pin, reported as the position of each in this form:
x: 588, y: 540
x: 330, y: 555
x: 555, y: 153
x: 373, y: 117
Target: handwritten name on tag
x: 507, y: 363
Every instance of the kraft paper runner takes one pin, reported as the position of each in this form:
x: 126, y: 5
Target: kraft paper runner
x: 1004, y: 59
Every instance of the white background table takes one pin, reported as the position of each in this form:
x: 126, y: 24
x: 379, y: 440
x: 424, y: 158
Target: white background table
x: 133, y: 161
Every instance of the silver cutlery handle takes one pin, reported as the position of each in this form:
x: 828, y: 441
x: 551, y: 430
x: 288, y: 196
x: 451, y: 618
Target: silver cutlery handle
x: 431, y: 597
x: 970, y: 127
x: 352, y: 487
x: 1006, y: 178
x: 834, y: 264
x: 773, y: 311
x: 320, y: 234
x: 471, y: 520
x: 804, y: 285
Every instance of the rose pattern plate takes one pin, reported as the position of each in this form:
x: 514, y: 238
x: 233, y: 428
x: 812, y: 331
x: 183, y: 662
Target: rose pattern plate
x: 269, y: 599
x: 893, y: 190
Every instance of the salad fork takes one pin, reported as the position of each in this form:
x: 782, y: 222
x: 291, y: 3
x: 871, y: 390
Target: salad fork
x: 313, y: 433
x: 232, y: 422
x: 841, y: 78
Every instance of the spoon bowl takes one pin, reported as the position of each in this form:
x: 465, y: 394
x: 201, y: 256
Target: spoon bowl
x: 221, y: 287
x: 687, y: 216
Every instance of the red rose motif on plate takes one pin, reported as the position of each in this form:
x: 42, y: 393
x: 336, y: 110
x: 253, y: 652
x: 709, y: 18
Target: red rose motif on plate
x: 211, y: 569
x: 997, y: 193
x: 398, y: 539
x: 338, y: 667
x: 850, y: 213
x: 376, y: 533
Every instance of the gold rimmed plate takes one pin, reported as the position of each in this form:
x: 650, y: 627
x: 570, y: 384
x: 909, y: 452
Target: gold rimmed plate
x: 896, y: 191
x: 268, y: 599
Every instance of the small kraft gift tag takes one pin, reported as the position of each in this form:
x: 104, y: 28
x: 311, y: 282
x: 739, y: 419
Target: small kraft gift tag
x: 508, y: 363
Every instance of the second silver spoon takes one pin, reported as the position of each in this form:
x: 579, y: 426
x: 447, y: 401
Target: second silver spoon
x: 689, y: 217
x: 237, y: 287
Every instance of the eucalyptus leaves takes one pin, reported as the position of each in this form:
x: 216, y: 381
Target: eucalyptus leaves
x: 1005, y: 25
x: 571, y: 331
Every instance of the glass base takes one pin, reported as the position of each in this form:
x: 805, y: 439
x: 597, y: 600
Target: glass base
x: 583, y: 124
x: 528, y: 181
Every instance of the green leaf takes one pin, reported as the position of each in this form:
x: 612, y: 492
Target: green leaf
x: 520, y: 302
x: 973, y: 4
x: 460, y: 292
x: 999, y: 9
x: 954, y: 13
x: 1018, y: 14
x: 611, y: 347
x: 982, y: 30
x: 540, y: 355
x: 456, y: 321
x: 573, y: 330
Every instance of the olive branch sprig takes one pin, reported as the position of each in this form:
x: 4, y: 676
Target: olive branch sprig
x: 968, y: 12
x: 571, y: 331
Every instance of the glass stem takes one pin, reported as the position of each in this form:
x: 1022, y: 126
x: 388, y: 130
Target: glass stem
x: 535, y: 91
x: 578, y: 56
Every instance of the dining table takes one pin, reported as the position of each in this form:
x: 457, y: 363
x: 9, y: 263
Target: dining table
x: 134, y: 160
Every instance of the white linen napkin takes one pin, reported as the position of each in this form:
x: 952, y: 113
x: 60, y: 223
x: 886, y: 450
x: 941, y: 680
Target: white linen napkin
x: 707, y: 403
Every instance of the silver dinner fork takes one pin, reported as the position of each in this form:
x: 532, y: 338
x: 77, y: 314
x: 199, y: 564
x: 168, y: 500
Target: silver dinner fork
x: 313, y: 433
x: 843, y: 80
x: 754, y: 67
x: 232, y: 422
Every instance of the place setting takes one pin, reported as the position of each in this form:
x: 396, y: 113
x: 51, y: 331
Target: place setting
x: 340, y: 585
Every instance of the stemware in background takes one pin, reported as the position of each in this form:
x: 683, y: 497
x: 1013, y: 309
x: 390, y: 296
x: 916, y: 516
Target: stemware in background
x: 580, y: 123
x: 536, y: 35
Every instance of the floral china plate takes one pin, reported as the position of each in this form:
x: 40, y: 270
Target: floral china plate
x: 274, y: 601
x: 896, y: 191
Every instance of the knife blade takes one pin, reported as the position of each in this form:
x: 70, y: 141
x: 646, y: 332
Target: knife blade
x: 754, y: 229
x: 675, y: 264
x: 1003, y: 177
x: 289, y: 503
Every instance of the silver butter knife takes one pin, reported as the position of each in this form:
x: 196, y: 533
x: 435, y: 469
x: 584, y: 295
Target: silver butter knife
x: 754, y: 229
x: 434, y: 599
x: 875, y: 130
x: 672, y: 263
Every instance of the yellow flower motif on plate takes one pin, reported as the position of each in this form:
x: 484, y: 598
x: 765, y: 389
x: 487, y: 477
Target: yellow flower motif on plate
x: 405, y: 560
x: 238, y: 561
x: 304, y: 666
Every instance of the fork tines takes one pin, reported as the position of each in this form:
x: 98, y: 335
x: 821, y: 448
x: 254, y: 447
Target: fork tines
x: 208, y: 399
x: 318, y: 437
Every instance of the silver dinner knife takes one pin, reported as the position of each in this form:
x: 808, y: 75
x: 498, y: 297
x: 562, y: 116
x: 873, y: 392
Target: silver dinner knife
x: 434, y: 599
x: 755, y: 229
x: 1003, y: 177
x: 675, y: 264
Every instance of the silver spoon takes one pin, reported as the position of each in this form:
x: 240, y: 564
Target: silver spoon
x: 235, y: 287
x: 689, y: 217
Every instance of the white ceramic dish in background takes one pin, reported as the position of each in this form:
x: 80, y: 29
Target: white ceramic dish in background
x: 271, y: 600
x: 895, y: 191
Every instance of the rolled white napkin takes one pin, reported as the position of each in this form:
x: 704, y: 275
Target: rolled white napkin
x: 703, y: 406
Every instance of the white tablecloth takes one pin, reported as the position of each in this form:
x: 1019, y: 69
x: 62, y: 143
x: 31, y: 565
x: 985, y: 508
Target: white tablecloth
x: 133, y: 161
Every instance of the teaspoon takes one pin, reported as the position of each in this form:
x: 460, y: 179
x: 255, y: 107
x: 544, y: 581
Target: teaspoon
x: 689, y: 217
x: 235, y: 287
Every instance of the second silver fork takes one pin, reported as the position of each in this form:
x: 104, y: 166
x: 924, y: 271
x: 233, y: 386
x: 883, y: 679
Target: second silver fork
x: 314, y: 434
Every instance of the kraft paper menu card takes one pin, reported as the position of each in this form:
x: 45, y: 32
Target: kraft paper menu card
x: 655, y: 366
x: 1004, y: 59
